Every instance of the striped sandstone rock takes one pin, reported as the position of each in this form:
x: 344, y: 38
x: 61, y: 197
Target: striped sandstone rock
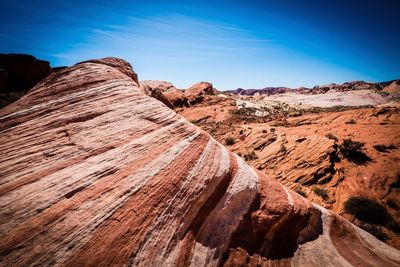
x: 94, y: 172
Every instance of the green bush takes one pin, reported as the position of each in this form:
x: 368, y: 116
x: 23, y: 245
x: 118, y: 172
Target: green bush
x: 352, y: 151
x: 331, y: 136
x: 320, y: 192
x: 250, y: 156
x: 229, y: 141
x: 300, y: 192
x: 367, y: 210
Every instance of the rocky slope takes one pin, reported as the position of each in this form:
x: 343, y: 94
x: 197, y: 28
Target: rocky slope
x: 302, y: 151
x: 95, y: 172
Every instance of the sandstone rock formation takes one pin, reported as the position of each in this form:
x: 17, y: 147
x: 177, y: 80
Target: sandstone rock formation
x: 166, y: 92
x: 302, y: 151
x: 392, y: 88
x: 196, y: 92
x: 18, y: 74
x: 95, y: 172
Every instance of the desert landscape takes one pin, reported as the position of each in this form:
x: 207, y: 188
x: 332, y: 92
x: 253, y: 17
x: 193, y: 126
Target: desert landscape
x: 328, y: 153
x: 99, y: 168
x: 199, y: 133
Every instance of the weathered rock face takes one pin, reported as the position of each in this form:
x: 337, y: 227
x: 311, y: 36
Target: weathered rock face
x: 303, y: 152
x: 95, y: 172
x: 166, y: 92
x: 18, y: 74
x: 21, y: 72
x: 196, y: 92
x: 393, y: 88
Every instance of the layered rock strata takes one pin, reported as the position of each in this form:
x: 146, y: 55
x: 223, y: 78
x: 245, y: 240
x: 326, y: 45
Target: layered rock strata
x: 95, y: 172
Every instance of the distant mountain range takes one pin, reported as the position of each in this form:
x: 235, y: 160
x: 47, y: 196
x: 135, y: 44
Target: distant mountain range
x: 319, y: 89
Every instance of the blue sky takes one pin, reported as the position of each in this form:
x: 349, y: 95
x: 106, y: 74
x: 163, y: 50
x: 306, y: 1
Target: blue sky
x: 248, y: 44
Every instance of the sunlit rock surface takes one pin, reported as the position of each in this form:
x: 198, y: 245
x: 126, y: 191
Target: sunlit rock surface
x: 95, y: 172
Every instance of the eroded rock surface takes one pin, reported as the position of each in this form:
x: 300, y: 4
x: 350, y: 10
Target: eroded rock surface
x: 166, y: 92
x: 95, y: 172
x: 18, y: 74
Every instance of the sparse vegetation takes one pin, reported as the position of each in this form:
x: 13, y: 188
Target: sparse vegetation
x: 229, y: 141
x: 370, y: 211
x: 352, y: 121
x: 250, y: 156
x: 331, y: 136
x: 367, y: 210
x: 272, y: 130
x: 352, y: 151
x: 245, y: 111
x: 384, y: 148
x: 301, y: 192
x: 264, y: 131
x: 320, y: 192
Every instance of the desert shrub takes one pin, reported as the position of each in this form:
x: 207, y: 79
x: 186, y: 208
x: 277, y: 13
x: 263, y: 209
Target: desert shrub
x: 241, y: 131
x: 351, y: 121
x: 248, y: 111
x: 250, y: 156
x: 367, y: 210
x: 320, y: 192
x: 300, y: 192
x: 331, y: 136
x: 384, y: 148
x: 264, y: 131
x: 375, y: 231
x: 229, y: 141
x: 272, y: 130
x: 352, y: 151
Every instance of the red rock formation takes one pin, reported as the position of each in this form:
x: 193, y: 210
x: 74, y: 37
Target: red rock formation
x: 166, y: 92
x: 393, y: 88
x: 196, y: 92
x: 95, y: 172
